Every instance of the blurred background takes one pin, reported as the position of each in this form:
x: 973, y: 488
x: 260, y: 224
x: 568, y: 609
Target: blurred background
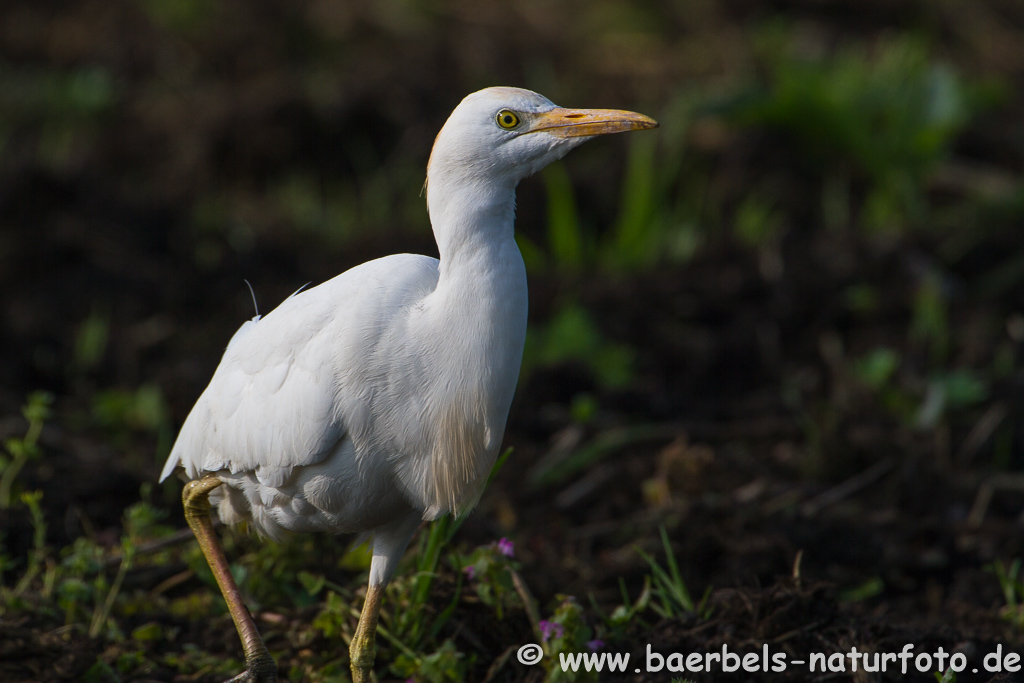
x: 775, y: 352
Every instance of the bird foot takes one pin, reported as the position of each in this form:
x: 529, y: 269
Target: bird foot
x: 259, y: 670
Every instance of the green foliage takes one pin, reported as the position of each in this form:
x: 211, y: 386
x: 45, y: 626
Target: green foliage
x: 36, y: 411
x: 143, y: 521
x: 566, y: 631
x: 409, y: 628
x: 949, y: 391
x: 583, y: 408
x: 408, y: 623
x: 945, y: 391
x: 877, y: 368
x: 489, y: 569
x: 410, y: 593
x: 62, y: 107
x: 55, y: 97
x: 888, y: 116
x: 861, y: 298
x: 875, y: 123
x: 444, y: 665
x: 327, y: 211
x: 871, y: 588
x: 101, y: 615
x: 193, y: 660
x: 566, y: 242
x: 37, y: 558
x: 150, y: 631
x: 571, y: 335
x: 622, y: 617
x: 332, y: 620
x: 1012, y: 584
x: 671, y: 596
x: 268, y: 573
x: 929, y: 324
x: 656, y: 210
x: 571, y: 464
x: 91, y: 341
x: 181, y: 16
x: 81, y: 581
x: 78, y: 586
x: 333, y: 672
x: 636, y: 237
x: 6, y: 561
x: 756, y: 222
x: 143, y: 409
x: 101, y: 672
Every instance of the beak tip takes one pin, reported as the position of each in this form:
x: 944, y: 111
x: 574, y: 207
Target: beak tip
x: 639, y: 121
x: 591, y: 122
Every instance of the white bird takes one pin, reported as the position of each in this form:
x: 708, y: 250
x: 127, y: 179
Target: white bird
x: 378, y: 399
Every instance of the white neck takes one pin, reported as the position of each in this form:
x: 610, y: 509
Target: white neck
x: 482, y: 282
x: 481, y: 297
x: 474, y: 323
x: 469, y: 216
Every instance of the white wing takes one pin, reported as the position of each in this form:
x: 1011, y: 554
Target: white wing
x: 274, y: 402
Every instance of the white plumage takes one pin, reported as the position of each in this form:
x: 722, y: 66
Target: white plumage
x: 379, y: 398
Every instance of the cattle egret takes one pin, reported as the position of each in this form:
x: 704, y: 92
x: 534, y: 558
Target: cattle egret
x: 378, y: 399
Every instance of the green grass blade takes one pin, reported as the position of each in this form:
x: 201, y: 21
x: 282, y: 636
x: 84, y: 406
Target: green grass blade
x: 564, y: 235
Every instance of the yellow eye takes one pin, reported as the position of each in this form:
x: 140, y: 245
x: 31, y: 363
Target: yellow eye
x: 507, y: 119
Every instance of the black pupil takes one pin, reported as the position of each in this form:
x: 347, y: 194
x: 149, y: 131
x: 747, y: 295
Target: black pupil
x: 508, y: 119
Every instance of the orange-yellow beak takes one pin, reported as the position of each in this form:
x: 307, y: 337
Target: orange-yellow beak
x: 574, y: 123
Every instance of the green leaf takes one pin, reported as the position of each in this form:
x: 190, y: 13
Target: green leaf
x: 564, y: 233
x: 877, y: 367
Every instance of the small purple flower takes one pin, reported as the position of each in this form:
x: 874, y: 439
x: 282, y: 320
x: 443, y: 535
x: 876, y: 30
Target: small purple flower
x: 470, y: 571
x: 506, y: 547
x: 549, y: 628
x: 595, y: 644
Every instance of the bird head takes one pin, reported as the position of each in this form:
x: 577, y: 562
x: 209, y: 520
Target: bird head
x: 498, y: 136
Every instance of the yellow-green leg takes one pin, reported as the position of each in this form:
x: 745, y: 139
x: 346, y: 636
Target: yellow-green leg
x: 259, y: 665
x: 362, y: 651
